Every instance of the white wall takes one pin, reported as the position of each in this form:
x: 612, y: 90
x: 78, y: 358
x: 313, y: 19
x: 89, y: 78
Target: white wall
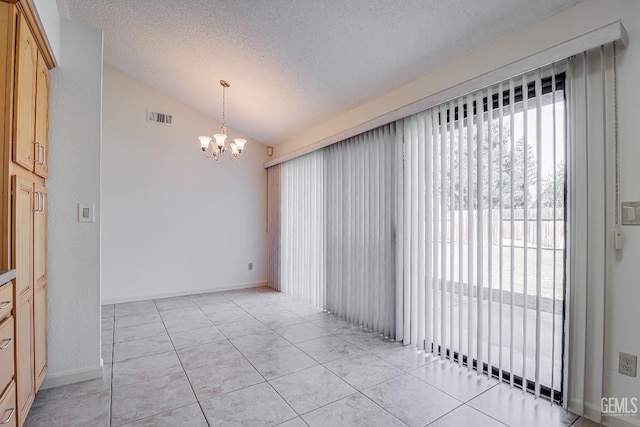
x: 47, y: 12
x: 175, y: 222
x: 623, y: 291
x: 74, y: 176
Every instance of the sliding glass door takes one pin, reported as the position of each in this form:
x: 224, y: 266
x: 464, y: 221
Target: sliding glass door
x: 444, y: 230
x: 495, y: 237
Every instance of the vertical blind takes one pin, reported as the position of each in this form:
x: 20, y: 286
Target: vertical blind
x: 483, y: 229
x: 302, y: 232
x: 360, y: 208
x: 592, y: 206
x: 449, y: 230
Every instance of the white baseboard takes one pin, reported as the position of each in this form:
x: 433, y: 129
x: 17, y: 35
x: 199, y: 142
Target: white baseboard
x: 592, y: 412
x: 70, y: 377
x: 183, y: 293
x: 621, y: 422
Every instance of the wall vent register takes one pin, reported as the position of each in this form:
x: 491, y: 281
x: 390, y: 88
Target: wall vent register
x: 160, y: 118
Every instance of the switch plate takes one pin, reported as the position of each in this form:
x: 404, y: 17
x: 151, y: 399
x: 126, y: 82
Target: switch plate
x: 630, y: 213
x: 627, y: 364
x: 86, y: 212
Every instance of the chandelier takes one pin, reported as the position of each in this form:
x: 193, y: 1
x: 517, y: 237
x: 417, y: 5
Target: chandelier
x: 217, y: 151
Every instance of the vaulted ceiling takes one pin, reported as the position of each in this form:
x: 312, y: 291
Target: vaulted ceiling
x: 293, y: 64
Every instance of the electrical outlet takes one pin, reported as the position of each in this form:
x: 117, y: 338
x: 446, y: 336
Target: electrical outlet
x: 250, y: 266
x: 627, y: 364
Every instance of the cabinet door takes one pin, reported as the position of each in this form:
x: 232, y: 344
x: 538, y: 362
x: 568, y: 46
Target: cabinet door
x: 25, y: 380
x: 40, y: 334
x: 25, y: 97
x: 40, y: 200
x: 42, y: 119
x: 40, y: 284
x: 24, y: 204
x: 24, y: 201
x: 8, y: 417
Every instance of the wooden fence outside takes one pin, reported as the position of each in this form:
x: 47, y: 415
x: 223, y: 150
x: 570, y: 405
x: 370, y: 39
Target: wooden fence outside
x: 550, y: 226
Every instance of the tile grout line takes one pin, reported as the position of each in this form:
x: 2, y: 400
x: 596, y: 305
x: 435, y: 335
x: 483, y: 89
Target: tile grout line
x: 295, y: 345
x: 184, y: 371
x: 268, y: 381
x: 263, y: 377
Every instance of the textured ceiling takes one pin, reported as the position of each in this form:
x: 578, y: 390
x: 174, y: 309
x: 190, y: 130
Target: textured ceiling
x: 293, y: 64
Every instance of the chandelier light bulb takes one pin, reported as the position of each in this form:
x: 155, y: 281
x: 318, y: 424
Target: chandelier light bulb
x: 220, y: 139
x: 240, y: 144
x: 204, y: 142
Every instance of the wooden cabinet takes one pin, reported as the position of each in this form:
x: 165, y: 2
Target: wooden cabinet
x: 31, y: 141
x: 6, y: 302
x: 41, y: 145
x: 7, y: 348
x: 25, y: 382
x: 29, y: 213
x: 23, y: 214
x: 25, y: 97
x: 40, y: 284
x: 8, y: 407
x: 24, y: 152
x: 25, y: 205
x: 30, y: 252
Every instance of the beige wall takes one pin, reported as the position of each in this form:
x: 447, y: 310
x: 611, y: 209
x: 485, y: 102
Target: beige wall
x: 74, y: 176
x: 174, y: 222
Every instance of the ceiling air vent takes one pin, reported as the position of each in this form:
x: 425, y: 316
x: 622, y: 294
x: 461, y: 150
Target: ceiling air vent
x: 160, y: 118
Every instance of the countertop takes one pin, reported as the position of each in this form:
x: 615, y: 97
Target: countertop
x: 7, y: 275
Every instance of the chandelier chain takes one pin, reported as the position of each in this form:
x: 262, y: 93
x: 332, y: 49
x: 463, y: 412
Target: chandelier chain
x: 223, y: 105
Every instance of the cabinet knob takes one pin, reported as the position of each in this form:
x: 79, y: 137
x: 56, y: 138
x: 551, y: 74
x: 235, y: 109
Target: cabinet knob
x: 4, y: 304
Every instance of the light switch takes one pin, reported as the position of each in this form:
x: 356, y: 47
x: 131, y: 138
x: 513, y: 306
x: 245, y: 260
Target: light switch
x: 630, y: 213
x: 86, y: 212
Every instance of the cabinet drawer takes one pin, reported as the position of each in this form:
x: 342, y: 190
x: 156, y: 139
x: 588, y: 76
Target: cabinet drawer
x: 7, y: 349
x: 8, y: 415
x: 6, y: 300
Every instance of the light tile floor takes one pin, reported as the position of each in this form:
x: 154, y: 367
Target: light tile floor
x: 256, y: 357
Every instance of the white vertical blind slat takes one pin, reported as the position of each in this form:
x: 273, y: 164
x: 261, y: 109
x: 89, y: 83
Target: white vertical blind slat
x: 538, y: 89
x: 470, y: 234
x: 416, y: 126
x: 512, y: 150
x: 443, y: 230
x: 429, y: 221
x: 461, y: 185
x: 555, y: 206
x: 480, y: 228
x: 490, y: 230
x: 452, y: 230
x: 501, y: 231
x: 525, y: 233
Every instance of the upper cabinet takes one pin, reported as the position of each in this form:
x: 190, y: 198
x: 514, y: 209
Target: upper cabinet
x: 25, y: 97
x: 41, y: 146
x: 31, y: 116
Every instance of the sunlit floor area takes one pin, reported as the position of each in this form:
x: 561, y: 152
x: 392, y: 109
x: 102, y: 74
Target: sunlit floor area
x: 257, y: 357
